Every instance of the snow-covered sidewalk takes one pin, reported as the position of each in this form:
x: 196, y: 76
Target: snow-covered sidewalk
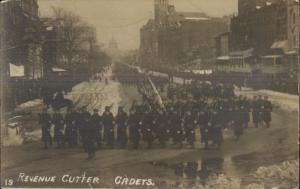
x: 96, y: 94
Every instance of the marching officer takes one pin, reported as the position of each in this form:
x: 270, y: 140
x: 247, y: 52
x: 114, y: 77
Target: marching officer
x: 58, y: 122
x: 95, y: 122
x: 134, y: 128
x: 45, y: 121
x: 108, y: 123
x: 88, y: 137
x: 268, y: 108
x: 121, y: 122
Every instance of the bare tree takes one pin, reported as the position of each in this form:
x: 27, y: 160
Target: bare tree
x: 76, y: 38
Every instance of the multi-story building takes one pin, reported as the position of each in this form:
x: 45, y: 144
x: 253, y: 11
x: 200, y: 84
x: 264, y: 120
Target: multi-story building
x: 269, y: 27
x: 264, y: 43
x: 177, y: 38
x: 23, y: 37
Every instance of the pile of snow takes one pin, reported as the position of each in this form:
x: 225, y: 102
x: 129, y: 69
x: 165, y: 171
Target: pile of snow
x: 12, y: 139
x: 30, y: 104
x: 33, y: 136
x: 282, y: 175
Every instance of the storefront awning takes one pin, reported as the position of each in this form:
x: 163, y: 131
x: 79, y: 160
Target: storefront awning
x: 223, y: 58
x: 241, y: 54
x: 55, y: 69
x: 16, y: 71
x: 272, y: 56
x: 283, y: 45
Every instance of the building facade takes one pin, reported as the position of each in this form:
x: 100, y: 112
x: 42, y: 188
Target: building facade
x: 270, y: 27
x: 22, y: 30
x: 177, y: 38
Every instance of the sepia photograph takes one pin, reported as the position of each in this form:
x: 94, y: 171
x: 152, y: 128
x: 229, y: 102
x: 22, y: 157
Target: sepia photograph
x: 154, y: 94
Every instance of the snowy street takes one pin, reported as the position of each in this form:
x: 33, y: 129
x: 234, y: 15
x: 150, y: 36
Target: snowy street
x: 241, y: 163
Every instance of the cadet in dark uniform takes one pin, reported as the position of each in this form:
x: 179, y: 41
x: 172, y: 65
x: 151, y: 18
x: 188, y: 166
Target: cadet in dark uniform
x: 45, y: 121
x: 88, y: 137
x: 238, y: 122
x: 121, y: 122
x: 177, y: 129
x: 147, y: 128
x: 108, y: 123
x: 58, y: 122
x: 134, y: 128
x: 71, y: 129
x: 95, y: 121
x: 245, y: 108
x: 261, y: 108
x: 202, y: 122
x: 216, y: 131
x: 189, y: 126
x: 255, y: 111
x: 208, y: 128
x: 268, y: 108
x: 162, y: 128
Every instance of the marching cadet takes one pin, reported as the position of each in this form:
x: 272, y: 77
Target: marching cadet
x: 147, y: 130
x: 134, y: 128
x: 208, y: 129
x: 121, y: 122
x: 216, y: 129
x: 58, y: 122
x: 268, y: 108
x: 162, y: 129
x: 189, y: 126
x: 95, y: 122
x: 245, y: 108
x: 255, y: 111
x: 70, y: 130
x: 108, y: 123
x: 260, y: 103
x: 238, y: 122
x: 79, y: 123
x: 88, y: 137
x: 45, y: 121
x: 202, y: 122
x: 177, y: 124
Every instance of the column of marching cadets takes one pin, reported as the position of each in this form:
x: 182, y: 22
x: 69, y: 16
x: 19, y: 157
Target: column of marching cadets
x: 176, y: 124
